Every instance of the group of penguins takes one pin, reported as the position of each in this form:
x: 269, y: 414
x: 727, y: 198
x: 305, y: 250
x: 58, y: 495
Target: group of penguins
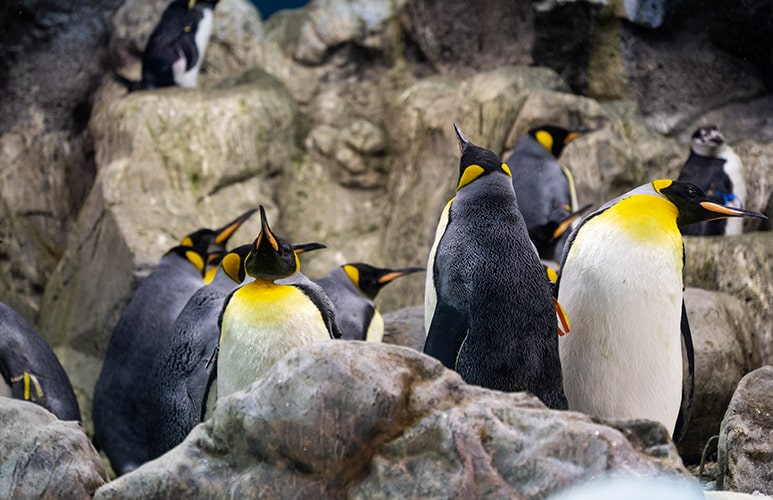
x: 522, y: 292
x: 606, y: 335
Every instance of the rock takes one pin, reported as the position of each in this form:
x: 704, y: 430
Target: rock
x: 647, y: 13
x: 745, y: 444
x: 741, y: 266
x: 405, y: 327
x: 170, y: 162
x: 366, y: 420
x: 725, y: 350
x: 44, y: 457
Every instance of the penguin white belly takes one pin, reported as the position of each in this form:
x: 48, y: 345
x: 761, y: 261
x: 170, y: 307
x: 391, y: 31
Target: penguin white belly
x: 430, y: 294
x: 622, y: 358
x: 375, y: 331
x: 734, y: 169
x: 203, y: 33
x: 261, y: 324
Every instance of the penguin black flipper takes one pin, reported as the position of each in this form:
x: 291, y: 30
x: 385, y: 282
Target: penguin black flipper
x: 446, y: 334
x: 131, y: 85
x: 688, y: 382
x: 326, y: 308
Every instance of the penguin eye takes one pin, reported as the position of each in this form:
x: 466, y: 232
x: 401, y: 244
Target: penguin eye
x: 692, y: 192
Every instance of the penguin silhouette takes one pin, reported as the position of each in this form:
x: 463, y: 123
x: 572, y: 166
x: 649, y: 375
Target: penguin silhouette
x: 621, y: 285
x: 489, y: 313
x: 30, y: 371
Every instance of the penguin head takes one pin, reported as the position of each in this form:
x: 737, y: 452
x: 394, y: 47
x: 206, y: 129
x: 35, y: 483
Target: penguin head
x: 273, y: 257
x: 693, y: 205
x: 555, y: 139
x: 707, y: 141
x: 232, y: 263
x: 476, y: 161
x: 370, y: 280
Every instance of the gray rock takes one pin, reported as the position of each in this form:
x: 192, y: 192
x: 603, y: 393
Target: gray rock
x: 405, y: 327
x: 745, y: 442
x: 44, y: 457
x: 363, y: 420
x: 725, y: 350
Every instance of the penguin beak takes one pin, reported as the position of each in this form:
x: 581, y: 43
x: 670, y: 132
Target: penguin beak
x: 223, y: 234
x: 307, y: 247
x: 265, y: 232
x: 396, y: 273
x: 717, y: 211
x: 568, y: 221
x: 461, y: 138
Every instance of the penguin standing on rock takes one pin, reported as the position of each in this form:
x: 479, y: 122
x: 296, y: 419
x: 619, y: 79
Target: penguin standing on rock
x: 488, y: 308
x: 714, y: 167
x: 545, y: 190
x: 177, y: 394
x: 352, y: 288
x: 120, y: 396
x: 621, y: 285
x: 176, y: 48
x: 264, y: 319
x: 30, y: 371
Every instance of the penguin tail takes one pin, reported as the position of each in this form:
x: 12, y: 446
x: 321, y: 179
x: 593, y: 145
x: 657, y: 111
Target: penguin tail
x: 131, y: 85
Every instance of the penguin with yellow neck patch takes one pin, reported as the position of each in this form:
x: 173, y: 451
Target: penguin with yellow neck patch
x: 120, y: 396
x: 352, y: 288
x: 629, y: 354
x: 545, y: 190
x: 264, y: 319
x: 177, y: 396
x: 489, y: 312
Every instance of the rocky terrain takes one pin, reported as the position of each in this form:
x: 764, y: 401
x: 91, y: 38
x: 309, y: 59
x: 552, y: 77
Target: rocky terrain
x: 337, y: 117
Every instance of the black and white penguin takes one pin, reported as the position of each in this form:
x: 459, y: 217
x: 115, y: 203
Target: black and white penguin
x: 353, y: 288
x: 176, y: 47
x: 264, y: 319
x: 489, y: 313
x: 177, y: 396
x: 29, y: 369
x: 120, y: 396
x: 544, y: 189
x: 621, y: 286
x: 714, y: 167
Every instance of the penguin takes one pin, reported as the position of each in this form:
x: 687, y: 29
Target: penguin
x: 176, y: 47
x: 352, y: 288
x: 119, y: 408
x: 29, y: 369
x: 629, y: 354
x: 714, y: 167
x: 264, y: 319
x: 544, y: 189
x: 489, y: 312
x: 178, y: 391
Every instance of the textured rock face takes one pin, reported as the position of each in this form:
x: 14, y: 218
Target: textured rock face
x: 745, y: 442
x: 405, y: 327
x: 403, y: 427
x: 44, y: 457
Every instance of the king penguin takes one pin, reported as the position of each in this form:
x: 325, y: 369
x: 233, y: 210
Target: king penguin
x: 489, y: 313
x: 545, y: 190
x: 621, y: 285
x: 714, y: 167
x: 263, y: 320
x: 178, y: 392
x: 30, y: 371
x: 352, y: 288
x: 120, y: 396
x: 176, y: 47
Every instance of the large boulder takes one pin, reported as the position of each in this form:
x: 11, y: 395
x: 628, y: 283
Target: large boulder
x: 44, y: 457
x: 746, y: 436
x: 364, y: 420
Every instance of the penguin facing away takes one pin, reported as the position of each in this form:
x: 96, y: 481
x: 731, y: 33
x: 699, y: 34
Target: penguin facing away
x: 29, y: 369
x: 544, y: 189
x: 489, y: 313
x: 714, y: 167
x: 621, y: 285
x: 176, y: 398
x: 119, y: 408
x: 352, y: 288
x: 176, y: 47
x: 264, y: 319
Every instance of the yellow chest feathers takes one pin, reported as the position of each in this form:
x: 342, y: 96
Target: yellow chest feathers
x: 646, y: 219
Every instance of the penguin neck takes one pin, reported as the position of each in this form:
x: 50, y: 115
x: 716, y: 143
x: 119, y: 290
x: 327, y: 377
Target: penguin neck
x: 493, y: 188
x: 646, y: 218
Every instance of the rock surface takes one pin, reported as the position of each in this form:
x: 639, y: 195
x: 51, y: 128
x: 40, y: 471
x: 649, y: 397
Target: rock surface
x: 746, y: 436
x: 44, y: 457
x: 405, y: 327
x: 403, y: 427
